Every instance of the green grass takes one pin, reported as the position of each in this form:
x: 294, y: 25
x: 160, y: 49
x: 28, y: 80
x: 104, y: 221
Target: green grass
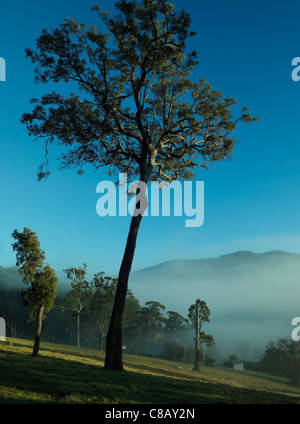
x: 69, y: 375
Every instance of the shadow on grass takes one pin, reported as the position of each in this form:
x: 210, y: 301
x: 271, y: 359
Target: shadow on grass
x: 270, y: 378
x: 51, y: 380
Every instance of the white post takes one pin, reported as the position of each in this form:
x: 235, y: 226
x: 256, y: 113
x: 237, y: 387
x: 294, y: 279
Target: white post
x: 2, y: 330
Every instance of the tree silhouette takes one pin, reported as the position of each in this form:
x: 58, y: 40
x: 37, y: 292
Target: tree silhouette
x: 199, y: 313
x: 136, y: 110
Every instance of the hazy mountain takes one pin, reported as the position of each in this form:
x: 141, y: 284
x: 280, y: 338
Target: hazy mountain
x: 252, y: 297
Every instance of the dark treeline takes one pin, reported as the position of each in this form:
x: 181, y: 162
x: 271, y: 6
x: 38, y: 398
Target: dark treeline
x: 80, y: 316
x: 147, y: 330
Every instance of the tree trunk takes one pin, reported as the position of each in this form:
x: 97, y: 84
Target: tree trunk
x: 113, y: 358
x: 149, y: 337
x: 101, y: 335
x: 38, y: 332
x: 197, y: 345
x: 78, y: 330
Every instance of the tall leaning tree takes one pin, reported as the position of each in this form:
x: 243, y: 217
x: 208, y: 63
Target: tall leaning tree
x: 136, y: 109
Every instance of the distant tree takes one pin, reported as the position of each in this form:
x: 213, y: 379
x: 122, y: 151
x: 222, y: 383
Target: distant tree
x: 271, y: 361
x: 139, y: 112
x: 283, y: 358
x: 130, y: 323
x: 207, y: 340
x: 13, y: 311
x: 291, y: 359
x: 230, y: 360
x: 233, y: 358
x: 150, y: 320
x: 40, y: 278
x: 199, y: 313
x: 172, y: 350
x: 174, y: 324
x: 78, y: 297
x: 13, y: 329
x: 65, y: 319
x: 243, y: 348
x: 101, y: 304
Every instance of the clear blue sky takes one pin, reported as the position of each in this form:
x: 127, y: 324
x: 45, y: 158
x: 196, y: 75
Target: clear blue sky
x: 251, y: 203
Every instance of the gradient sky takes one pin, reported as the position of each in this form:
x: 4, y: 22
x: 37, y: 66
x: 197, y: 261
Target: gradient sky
x: 251, y: 203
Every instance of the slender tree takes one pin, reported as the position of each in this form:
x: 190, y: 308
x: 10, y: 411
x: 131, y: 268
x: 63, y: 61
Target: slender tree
x: 40, y: 298
x: 136, y: 109
x: 40, y: 278
x: 79, y: 296
x: 199, y: 313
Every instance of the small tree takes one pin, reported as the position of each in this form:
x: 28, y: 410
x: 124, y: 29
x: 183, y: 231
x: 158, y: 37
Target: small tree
x: 174, y: 324
x: 77, y: 299
x: 243, y: 349
x: 138, y: 110
x: 207, y: 340
x: 101, y: 304
x: 42, y: 281
x: 150, y: 320
x: 172, y: 351
x: 199, y: 313
x: 290, y: 359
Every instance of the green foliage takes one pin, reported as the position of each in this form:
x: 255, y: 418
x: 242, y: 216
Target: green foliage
x: 42, y: 292
x: 29, y: 255
x: 138, y: 110
x: 172, y: 351
x: 150, y: 318
x: 100, y: 306
x: 175, y: 323
x: 41, y: 278
x: 283, y: 358
x: 206, y: 339
x: 79, y: 295
x: 204, y: 313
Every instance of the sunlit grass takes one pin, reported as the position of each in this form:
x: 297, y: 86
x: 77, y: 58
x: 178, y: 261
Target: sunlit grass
x: 67, y: 374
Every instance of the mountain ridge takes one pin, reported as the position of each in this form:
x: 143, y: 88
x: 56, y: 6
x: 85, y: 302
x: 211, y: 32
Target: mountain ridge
x: 241, y: 254
x: 252, y: 296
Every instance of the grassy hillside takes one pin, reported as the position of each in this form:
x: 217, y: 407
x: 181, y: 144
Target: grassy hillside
x: 65, y: 374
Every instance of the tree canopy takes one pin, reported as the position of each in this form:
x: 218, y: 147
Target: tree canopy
x: 137, y: 106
